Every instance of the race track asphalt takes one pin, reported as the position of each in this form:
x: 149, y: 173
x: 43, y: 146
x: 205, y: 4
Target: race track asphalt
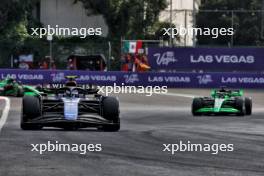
x: 137, y: 149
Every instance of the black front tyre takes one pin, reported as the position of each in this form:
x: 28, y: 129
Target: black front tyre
x: 239, y: 105
x: 31, y: 109
x: 111, y: 113
x: 110, y: 108
x: 196, y: 105
x: 248, y: 106
x: 31, y: 106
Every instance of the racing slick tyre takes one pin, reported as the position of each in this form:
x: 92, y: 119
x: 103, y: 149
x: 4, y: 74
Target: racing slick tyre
x: 31, y: 109
x: 196, y: 105
x: 239, y: 105
x: 248, y: 106
x: 111, y: 113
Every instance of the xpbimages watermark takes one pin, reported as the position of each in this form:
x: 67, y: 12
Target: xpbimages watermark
x: 124, y: 89
x: 213, y: 32
x: 65, y: 31
x: 188, y: 146
x: 56, y: 146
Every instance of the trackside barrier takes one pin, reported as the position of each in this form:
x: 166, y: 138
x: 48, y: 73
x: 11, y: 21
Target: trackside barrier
x: 172, y: 80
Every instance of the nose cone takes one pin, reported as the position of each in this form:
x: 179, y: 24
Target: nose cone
x: 218, y: 104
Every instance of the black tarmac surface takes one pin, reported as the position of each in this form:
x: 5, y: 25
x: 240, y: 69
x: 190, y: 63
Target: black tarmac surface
x: 137, y: 149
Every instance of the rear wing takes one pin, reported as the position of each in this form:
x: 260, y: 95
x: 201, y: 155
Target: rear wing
x: 237, y: 93
x: 56, y: 88
x: 233, y: 93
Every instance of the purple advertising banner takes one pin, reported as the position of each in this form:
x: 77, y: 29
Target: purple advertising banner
x: 207, y: 59
x: 173, y: 80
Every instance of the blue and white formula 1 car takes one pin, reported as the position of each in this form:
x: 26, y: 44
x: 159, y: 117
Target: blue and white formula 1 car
x: 69, y: 107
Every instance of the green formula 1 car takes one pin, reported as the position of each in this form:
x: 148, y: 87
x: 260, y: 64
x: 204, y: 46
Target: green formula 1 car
x: 10, y: 87
x: 222, y: 101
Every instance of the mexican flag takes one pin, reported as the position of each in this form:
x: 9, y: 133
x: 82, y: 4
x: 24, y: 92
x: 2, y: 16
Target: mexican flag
x: 132, y: 46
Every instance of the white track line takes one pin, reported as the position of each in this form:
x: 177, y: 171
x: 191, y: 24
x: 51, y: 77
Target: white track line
x: 5, y: 112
